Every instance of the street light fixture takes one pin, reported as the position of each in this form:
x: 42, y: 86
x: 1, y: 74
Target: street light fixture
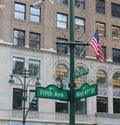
x: 25, y: 85
x: 38, y: 4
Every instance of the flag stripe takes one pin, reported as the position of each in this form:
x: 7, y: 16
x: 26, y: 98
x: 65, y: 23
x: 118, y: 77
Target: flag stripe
x: 96, y: 46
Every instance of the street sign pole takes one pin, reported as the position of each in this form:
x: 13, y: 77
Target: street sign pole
x: 71, y: 45
x: 42, y: 92
x: 72, y: 84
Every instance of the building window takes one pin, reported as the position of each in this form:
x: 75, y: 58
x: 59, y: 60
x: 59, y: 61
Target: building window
x: 34, y: 40
x: 61, y: 106
x: 34, y: 68
x: 17, y: 98
x: 100, y: 6
x: 104, y: 51
x: 61, y: 71
x: 101, y: 29
x: 18, y: 65
x: 79, y: 24
x: 62, y: 21
x: 19, y: 11
x: 80, y: 50
x: 19, y: 38
x: 62, y: 1
x: 101, y: 79
x: 80, y: 4
x: 35, y: 14
x: 115, y: 8
x: 102, y: 104
x: 80, y: 106
x: 116, y: 92
x: 116, y: 104
x: 116, y: 55
x: 115, y: 32
x: 116, y: 80
x: 62, y: 48
x: 33, y: 101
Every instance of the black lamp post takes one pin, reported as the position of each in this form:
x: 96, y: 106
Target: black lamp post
x: 24, y: 84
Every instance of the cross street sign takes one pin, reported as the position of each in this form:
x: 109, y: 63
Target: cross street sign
x: 80, y: 73
x: 51, y: 92
x: 86, y: 90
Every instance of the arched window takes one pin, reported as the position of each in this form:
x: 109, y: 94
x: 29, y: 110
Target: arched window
x: 116, y: 92
x: 80, y: 80
x: 102, y: 99
x: 101, y: 78
x: 116, y: 80
x: 61, y: 71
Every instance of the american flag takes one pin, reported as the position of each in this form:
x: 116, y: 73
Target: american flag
x: 95, y: 44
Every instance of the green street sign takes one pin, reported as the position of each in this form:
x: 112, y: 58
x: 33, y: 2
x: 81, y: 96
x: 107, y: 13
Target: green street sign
x: 51, y: 92
x: 80, y: 73
x: 86, y: 90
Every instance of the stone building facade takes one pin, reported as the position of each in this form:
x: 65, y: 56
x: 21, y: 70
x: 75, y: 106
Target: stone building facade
x: 28, y: 39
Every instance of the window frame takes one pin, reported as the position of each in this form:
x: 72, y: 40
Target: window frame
x: 62, y: 2
x: 33, y: 101
x: 79, y: 81
x: 99, y: 8
x: 16, y: 11
x: 101, y: 78
x: 30, y: 40
x: 104, y: 51
x: 59, y: 21
x: 116, y: 105
x: 116, y: 55
x: 16, y: 97
x: 19, y: 72
x: 60, y: 71
x: 78, y: 26
x: 16, y: 39
x: 80, y: 4
x: 64, y: 106
x: 38, y: 68
x: 115, y: 10
x: 115, y: 80
x: 101, y: 28
x: 105, y: 108
x: 79, y: 104
x: 117, y: 37
x: 37, y: 14
x: 79, y: 51
x: 62, y: 48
